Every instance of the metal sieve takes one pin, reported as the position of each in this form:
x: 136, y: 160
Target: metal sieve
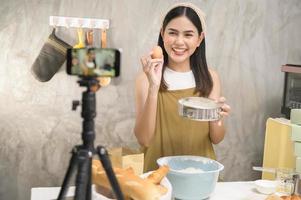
x: 199, y: 109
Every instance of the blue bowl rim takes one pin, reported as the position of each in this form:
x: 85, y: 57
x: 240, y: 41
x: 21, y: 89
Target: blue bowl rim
x: 160, y: 163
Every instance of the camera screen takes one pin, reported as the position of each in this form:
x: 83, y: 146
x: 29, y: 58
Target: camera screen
x: 93, y: 62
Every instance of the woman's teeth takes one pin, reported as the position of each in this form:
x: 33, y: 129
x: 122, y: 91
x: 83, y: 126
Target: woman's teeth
x: 178, y: 51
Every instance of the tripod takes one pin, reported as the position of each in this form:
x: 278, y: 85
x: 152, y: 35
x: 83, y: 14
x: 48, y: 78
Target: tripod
x: 82, y: 154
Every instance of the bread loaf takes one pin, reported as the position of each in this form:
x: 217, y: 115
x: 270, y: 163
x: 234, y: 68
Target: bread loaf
x: 293, y: 197
x: 275, y: 197
x: 132, y: 186
x: 156, y: 176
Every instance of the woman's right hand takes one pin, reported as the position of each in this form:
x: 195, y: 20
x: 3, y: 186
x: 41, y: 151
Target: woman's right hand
x: 153, y: 70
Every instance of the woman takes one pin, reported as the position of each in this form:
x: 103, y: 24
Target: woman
x: 182, y: 72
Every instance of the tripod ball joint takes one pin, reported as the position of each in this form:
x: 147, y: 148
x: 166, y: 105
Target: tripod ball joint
x: 104, y: 157
x: 102, y: 150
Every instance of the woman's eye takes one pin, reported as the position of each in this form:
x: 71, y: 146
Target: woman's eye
x: 172, y: 33
x: 188, y: 35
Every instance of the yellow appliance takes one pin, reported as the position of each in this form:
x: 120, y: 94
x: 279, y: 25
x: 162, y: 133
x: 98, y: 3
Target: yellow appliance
x: 278, y: 146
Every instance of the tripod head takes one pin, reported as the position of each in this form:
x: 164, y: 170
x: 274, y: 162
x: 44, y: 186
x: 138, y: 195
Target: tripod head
x: 88, y: 110
x: 87, y: 82
x: 90, y: 83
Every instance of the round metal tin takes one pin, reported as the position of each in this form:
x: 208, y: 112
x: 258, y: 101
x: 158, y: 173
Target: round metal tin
x: 199, y: 109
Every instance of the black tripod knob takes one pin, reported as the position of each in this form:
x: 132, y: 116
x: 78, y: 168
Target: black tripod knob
x: 75, y: 103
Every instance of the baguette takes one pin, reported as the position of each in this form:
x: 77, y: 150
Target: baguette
x: 275, y: 197
x: 293, y: 197
x: 132, y: 186
x: 157, y: 176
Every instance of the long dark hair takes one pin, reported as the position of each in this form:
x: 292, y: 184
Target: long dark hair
x: 198, y: 63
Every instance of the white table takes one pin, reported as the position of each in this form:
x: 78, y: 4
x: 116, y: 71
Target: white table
x: 223, y: 191
x: 236, y: 191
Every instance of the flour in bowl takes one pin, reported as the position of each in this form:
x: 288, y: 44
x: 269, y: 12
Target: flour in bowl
x: 190, y: 170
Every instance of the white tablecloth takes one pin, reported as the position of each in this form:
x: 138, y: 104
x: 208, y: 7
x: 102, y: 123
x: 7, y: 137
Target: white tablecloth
x: 236, y: 191
x: 223, y: 191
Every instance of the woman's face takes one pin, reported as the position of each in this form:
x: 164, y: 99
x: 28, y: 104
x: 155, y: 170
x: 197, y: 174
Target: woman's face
x: 180, y: 38
x: 91, y: 56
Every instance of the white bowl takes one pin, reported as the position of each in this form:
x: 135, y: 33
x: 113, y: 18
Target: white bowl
x: 191, y: 177
x: 165, y: 182
x: 265, y: 186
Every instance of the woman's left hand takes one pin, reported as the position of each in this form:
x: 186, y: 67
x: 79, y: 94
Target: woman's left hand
x: 226, y: 109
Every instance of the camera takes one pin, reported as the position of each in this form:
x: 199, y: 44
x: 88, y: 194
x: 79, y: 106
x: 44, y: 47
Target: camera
x: 93, y: 62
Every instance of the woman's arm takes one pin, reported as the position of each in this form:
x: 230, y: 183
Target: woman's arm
x: 217, y: 128
x: 146, y: 110
x: 146, y: 96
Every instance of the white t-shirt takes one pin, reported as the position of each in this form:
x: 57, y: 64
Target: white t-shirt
x: 90, y: 64
x: 178, y: 80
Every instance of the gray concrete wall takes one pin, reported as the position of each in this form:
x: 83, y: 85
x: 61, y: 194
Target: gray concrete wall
x: 247, y: 42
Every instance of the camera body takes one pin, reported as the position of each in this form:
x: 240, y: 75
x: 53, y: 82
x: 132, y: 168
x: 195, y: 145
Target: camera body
x: 93, y: 62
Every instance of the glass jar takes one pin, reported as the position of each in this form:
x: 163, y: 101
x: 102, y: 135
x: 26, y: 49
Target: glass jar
x: 285, y: 182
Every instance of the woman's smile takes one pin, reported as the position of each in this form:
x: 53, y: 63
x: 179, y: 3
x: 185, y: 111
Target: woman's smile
x: 179, y: 51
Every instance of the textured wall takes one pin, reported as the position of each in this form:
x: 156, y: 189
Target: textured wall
x: 247, y: 42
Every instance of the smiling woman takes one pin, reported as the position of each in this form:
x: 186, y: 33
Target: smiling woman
x: 182, y: 72
x: 180, y: 40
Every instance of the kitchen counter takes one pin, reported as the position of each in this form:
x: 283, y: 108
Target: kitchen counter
x: 236, y: 191
x: 223, y: 191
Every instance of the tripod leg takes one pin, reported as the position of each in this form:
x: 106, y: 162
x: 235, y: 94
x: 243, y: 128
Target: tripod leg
x: 72, y: 163
x: 106, y: 163
x: 83, y: 175
x: 89, y: 188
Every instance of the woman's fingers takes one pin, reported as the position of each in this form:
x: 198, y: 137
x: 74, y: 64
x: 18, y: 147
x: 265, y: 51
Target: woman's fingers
x: 143, y: 61
x: 157, y: 60
x: 222, y: 99
x: 224, y: 114
x: 225, y: 108
x: 153, y: 68
x: 150, y: 64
